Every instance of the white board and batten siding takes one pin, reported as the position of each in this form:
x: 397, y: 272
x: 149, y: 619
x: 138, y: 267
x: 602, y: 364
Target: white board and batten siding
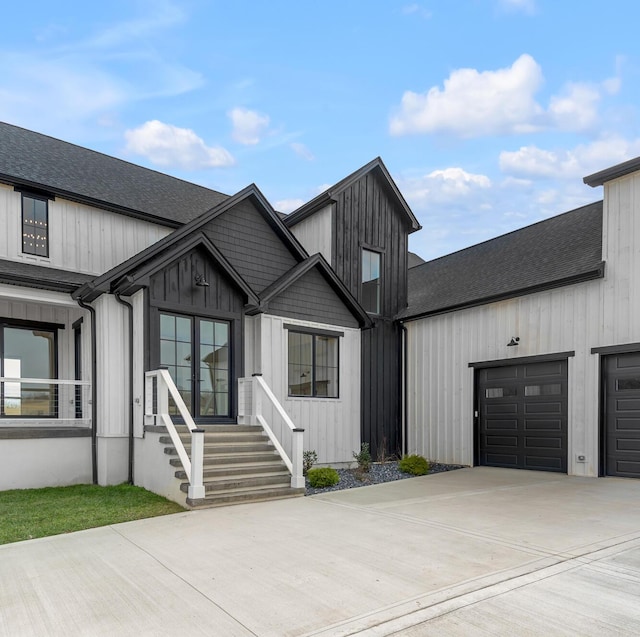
x: 332, y: 425
x: 81, y: 238
x: 578, y: 317
x: 315, y: 232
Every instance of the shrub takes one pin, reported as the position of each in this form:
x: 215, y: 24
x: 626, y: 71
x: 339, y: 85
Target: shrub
x: 322, y: 477
x: 363, y: 458
x: 309, y: 458
x: 415, y: 465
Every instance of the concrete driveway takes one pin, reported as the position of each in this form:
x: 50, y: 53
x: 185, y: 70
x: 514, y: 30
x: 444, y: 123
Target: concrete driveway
x: 472, y: 552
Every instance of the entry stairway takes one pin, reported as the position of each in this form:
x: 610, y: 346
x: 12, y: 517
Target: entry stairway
x: 240, y: 465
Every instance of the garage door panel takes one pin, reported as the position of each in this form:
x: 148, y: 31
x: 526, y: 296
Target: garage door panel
x: 544, y: 463
x: 543, y: 408
x: 540, y: 442
x: 498, y: 373
x: 504, y: 408
x: 537, y: 370
x: 509, y: 461
x: 545, y: 425
x: 506, y: 424
x: 622, y: 415
x: 523, y: 421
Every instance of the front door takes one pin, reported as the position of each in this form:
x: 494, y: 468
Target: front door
x: 196, y: 351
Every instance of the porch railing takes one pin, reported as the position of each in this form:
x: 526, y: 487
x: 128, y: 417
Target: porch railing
x: 45, y: 400
x: 258, y: 404
x: 158, y: 387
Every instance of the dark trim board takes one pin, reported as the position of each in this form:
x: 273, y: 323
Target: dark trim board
x: 523, y: 360
x: 303, y: 329
x: 616, y: 349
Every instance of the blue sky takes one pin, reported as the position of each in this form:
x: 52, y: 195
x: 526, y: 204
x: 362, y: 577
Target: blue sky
x: 487, y: 113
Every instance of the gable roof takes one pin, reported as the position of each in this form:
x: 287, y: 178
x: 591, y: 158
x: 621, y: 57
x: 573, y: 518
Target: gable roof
x: 106, y: 281
x: 376, y: 166
x: 619, y: 170
x: 298, y: 271
x: 32, y: 160
x: 558, y: 251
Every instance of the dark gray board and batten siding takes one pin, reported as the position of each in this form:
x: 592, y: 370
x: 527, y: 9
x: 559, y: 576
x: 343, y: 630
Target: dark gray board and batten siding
x: 366, y: 216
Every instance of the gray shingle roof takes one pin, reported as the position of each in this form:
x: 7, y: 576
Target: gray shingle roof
x: 36, y: 160
x: 40, y: 277
x: 554, y: 252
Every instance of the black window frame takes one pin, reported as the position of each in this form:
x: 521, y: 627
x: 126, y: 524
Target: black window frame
x: 35, y: 197
x: 380, y: 253
x: 30, y: 325
x: 314, y: 333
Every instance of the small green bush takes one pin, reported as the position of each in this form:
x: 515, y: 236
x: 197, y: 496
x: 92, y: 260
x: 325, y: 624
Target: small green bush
x: 322, y: 477
x: 415, y: 465
x: 363, y: 458
x: 309, y: 458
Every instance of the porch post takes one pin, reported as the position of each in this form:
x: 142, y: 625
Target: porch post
x: 196, y: 486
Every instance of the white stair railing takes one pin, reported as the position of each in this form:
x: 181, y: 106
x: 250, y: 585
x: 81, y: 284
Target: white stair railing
x: 252, y: 391
x: 161, y: 381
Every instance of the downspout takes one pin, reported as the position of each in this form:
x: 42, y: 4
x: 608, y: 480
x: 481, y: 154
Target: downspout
x: 130, y: 315
x: 403, y: 395
x: 94, y: 390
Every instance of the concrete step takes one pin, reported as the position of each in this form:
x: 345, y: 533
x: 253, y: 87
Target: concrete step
x: 217, y: 459
x: 214, y: 438
x: 241, y: 496
x: 237, y: 469
x: 226, y: 447
x: 257, y: 481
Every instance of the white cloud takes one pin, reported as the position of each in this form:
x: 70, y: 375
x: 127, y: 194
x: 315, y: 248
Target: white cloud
x: 536, y: 163
x: 288, y: 205
x: 248, y: 126
x: 482, y: 103
x: 302, y: 151
x: 167, y: 145
x: 576, y: 109
x: 442, y: 186
x: 416, y: 9
x: 475, y: 103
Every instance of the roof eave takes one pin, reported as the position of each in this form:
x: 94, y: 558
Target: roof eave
x: 614, y: 172
x: 588, y: 275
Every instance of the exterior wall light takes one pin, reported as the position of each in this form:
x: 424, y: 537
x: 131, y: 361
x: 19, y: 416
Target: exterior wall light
x: 515, y: 340
x: 200, y: 281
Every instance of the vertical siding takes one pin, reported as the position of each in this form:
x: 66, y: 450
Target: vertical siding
x: 441, y: 384
x: 81, y: 238
x: 314, y: 232
x: 138, y: 302
x: 332, y: 426
x: 113, y: 367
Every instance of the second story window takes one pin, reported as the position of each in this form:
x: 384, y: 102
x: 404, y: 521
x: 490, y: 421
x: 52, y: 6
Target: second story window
x: 370, y: 297
x: 35, y: 225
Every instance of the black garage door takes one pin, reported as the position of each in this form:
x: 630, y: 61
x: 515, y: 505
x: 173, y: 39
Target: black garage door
x: 523, y: 416
x: 622, y: 415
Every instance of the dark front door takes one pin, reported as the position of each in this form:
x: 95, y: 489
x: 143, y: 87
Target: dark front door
x: 622, y: 415
x: 523, y: 416
x: 196, y: 351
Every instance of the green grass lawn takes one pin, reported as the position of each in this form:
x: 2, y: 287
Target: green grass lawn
x: 31, y: 513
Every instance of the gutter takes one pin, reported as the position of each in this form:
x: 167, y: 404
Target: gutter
x: 130, y: 321
x: 403, y: 386
x: 94, y: 390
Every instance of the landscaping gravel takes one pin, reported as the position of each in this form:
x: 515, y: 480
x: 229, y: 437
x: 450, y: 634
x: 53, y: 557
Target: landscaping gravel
x: 379, y: 473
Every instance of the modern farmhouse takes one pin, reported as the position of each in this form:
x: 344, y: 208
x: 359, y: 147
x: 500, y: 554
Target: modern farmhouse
x: 195, y: 343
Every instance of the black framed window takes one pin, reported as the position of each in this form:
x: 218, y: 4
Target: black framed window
x: 35, y: 225
x: 313, y: 365
x: 28, y: 352
x: 371, y: 280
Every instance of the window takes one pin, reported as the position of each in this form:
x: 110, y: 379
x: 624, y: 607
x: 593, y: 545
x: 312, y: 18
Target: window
x: 35, y: 226
x: 27, y: 352
x: 313, y: 365
x: 371, y: 281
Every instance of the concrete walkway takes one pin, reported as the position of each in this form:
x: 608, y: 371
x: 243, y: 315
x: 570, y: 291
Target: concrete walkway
x: 472, y: 552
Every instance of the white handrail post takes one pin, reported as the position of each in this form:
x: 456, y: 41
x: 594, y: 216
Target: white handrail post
x: 196, y: 485
x: 162, y: 395
x: 297, y: 479
x: 256, y: 399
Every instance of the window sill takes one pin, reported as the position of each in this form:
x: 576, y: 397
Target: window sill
x: 316, y: 398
